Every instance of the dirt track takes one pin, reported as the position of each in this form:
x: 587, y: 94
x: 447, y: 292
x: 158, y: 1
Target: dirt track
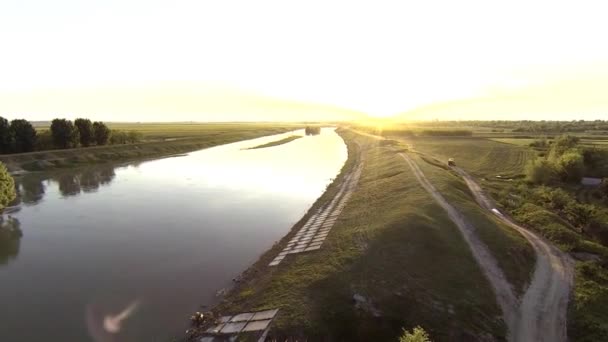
x: 542, y: 314
x: 503, y: 290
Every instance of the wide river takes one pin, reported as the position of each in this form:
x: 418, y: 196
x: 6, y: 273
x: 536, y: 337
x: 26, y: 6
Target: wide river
x: 158, y: 238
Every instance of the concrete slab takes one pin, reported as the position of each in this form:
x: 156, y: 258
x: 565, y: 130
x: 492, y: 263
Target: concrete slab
x: 257, y: 325
x: 216, y: 328
x: 231, y: 328
x: 274, y: 263
x: 242, y: 317
x: 310, y: 249
x: 224, y: 319
x: 297, y: 250
x: 268, y: 314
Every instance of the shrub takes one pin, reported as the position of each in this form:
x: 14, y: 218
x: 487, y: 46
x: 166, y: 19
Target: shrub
x: 7, y: 187
x: 570, y: 166
x: 541, y: 171
x: 418, y: 334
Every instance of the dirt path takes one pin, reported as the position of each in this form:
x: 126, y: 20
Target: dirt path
x: 542, y: 314
x: 502, y: 288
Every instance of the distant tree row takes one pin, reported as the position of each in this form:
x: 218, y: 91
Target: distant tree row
x: 20, y: 136
x: 82, y: 132
x: 553, y: 127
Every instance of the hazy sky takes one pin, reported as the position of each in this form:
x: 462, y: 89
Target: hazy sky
x: 209, y: 60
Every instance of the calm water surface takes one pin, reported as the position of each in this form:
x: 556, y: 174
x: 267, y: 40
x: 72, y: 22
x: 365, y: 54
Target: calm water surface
x: 163, y: 236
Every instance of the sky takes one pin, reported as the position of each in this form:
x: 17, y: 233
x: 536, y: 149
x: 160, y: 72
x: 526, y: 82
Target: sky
x: 196, y: 60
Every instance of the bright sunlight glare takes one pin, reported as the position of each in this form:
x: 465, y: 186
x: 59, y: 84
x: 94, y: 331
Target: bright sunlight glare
x: 167, y: 60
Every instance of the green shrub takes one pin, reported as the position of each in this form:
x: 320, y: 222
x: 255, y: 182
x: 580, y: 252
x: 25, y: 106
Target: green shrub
x: 418, y: 334
x: 7, y: 187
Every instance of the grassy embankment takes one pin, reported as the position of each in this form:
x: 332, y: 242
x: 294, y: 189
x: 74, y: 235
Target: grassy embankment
x: 278, y: 142
x: 393, y: 245
x: 588, y: 312
x: 161, y: 140
x: 514, y: 254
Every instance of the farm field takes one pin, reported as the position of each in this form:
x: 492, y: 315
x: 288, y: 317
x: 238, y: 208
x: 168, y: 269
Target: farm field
x: 482, y: 157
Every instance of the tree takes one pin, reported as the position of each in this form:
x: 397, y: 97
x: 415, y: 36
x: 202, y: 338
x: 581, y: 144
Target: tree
x: 118, y: 137
x: 134, y: 137
x: 101, y: 132
x: 6, y: 138
x: 85, y: 131
x: 561, y: 145
x: 571, y: 166
x: 24, y: 135
x: 65, y: 134
x: 540, y: 171
x: 7, y: 187
x: 417, y: 335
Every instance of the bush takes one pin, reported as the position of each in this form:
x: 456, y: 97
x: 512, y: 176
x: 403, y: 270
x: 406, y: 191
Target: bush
x: 570, y: 166
x: 7, y: 187
x: 541, y: 171
x: 417, y: 335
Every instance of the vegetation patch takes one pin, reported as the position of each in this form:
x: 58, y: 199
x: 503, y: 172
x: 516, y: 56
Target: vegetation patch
x: 278, y: 142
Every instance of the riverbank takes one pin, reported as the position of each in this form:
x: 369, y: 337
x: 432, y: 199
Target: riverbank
x: 206, y: 136
x: 392, y: 260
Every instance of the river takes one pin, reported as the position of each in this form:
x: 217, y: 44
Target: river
x: 162, y: 236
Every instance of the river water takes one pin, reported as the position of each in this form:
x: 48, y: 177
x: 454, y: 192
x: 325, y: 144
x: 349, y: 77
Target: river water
x: 161, y: 236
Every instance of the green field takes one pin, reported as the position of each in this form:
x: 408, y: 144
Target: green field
x: 527, y: 141
x: 482, y: 157
x: 515, y: 141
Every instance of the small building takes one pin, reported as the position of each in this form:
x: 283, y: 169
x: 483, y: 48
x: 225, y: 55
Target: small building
x: 451, y: 162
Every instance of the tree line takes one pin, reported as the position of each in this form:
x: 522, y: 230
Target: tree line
x: 19, y: 135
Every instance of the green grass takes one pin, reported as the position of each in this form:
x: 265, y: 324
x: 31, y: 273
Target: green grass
x: 515, y: 141
x: 514, y: 254
x: 195, y: 137
x: 481, y: 157
x: 160, y: 131
x: 392, y: 244
x: 278, y: 142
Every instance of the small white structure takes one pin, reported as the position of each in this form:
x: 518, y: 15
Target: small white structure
x: 590, y: 181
